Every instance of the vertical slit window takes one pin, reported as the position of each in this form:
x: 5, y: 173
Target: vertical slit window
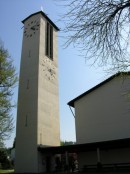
x: 49, y: 41
x: 26, y: 121
x: 27, y: 84
x: 29, y: 55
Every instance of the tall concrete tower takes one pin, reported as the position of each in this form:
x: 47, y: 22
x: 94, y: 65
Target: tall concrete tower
x: 38, y: 107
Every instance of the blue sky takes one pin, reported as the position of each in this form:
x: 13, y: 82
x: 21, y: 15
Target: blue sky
x: 75, y: 76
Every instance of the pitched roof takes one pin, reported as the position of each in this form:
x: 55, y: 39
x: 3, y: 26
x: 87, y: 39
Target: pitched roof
x: 45, y: 16
x: 71, y: 103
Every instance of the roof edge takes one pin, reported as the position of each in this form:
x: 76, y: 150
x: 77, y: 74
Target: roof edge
x: 103, y: 145
x: 45, y: 16
x: 71, y: 103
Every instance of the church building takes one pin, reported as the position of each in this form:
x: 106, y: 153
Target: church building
x: 102, y: 117
x: 102, y: 114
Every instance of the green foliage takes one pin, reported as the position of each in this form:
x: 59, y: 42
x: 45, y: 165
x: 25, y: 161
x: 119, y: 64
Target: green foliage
x: 6, y: 171
x: 1, y: 144
x: 64, y: 143
x: 8, y: 79
x: 4, y: 161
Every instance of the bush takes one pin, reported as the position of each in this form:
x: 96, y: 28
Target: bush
x: 5, y: 163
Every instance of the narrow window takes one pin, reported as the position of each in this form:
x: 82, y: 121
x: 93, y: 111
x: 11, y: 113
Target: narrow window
x: 27, y: 84
x: 26, y: 121
x: 49, y: 41
x: 29, y: 54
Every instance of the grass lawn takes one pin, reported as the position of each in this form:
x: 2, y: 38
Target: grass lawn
x: 6, y: 171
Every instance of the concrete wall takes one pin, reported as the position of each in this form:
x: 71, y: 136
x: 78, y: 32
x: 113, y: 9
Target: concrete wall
x: 104, y: 114
x: 48, y: 132
x: 26, y: 132
x: 38, y: 113
x: 48, y: 97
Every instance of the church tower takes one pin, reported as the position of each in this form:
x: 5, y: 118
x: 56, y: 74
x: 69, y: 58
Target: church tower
x: 38, y: 107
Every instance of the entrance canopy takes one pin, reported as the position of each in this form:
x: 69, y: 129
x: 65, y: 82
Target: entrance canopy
x: 104, y: 145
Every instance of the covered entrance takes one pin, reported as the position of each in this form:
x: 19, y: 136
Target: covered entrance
x: 98, y: 156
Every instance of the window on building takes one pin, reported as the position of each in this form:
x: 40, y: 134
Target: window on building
x: 26, y: 121
x: 49, y: 41
x: 27, y: 84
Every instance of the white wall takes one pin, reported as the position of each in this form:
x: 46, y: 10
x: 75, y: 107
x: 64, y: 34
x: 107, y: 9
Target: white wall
x: 104, y: 114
